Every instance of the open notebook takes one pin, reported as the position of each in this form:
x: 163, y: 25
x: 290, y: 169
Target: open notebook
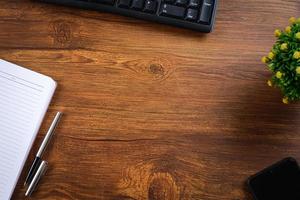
x: 24, y: 98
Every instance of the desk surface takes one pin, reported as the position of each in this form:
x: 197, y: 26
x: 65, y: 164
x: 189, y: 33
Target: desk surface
x: 153, y: 111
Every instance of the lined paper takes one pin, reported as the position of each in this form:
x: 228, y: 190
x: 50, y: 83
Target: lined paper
x: 24, y: 98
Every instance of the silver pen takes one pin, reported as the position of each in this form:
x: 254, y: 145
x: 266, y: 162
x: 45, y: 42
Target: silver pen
x: 38, y: 159
x: 37, y: 177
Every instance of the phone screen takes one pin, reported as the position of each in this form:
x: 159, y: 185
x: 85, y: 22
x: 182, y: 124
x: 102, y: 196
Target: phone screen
x: 280, y: 181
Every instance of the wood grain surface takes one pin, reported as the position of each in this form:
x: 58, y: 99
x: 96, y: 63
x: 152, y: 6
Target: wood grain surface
x: 153, y: 111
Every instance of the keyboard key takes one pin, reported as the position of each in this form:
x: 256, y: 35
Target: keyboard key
x: 111, y: 2
x: 194, y: 3
x: 206, y: 11
x: 172, y: 11
x: 191, y: 14
x: 181, y: 2
x: 150, y: 6
x: 137, y: 4
x: 124, y: 3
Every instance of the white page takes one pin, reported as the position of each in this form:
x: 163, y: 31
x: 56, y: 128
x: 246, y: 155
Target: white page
x: 24, y: 98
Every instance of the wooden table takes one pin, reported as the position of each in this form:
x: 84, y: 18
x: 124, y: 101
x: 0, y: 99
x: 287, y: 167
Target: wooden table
x: 153, y: 111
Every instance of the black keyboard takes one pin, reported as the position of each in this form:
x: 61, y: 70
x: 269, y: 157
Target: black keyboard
x: 193, y: 14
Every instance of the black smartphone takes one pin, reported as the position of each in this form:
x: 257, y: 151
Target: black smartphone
x: 280, y: 181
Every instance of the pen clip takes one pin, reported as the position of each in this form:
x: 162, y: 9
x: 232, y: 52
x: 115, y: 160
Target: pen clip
x: 33, y: 169
x: 37, y: 177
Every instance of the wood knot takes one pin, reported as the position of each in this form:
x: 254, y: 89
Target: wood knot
x: 62, y: 32
x: 146, y: 181
x: 163, y: 187
x: 156, y: 69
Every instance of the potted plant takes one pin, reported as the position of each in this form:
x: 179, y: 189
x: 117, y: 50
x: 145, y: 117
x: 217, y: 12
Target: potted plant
x: 284, y: 61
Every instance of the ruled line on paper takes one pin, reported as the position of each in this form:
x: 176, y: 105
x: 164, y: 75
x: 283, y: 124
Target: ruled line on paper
x: 20, y: 81
x: 28, y: 98
x: 16, y: 101
x: 23, y: 90
x: 21, y: 123
x: 32, y: 83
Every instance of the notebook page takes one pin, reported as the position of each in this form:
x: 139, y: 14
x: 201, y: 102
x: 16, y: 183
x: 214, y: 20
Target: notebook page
x: 24, y: 99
